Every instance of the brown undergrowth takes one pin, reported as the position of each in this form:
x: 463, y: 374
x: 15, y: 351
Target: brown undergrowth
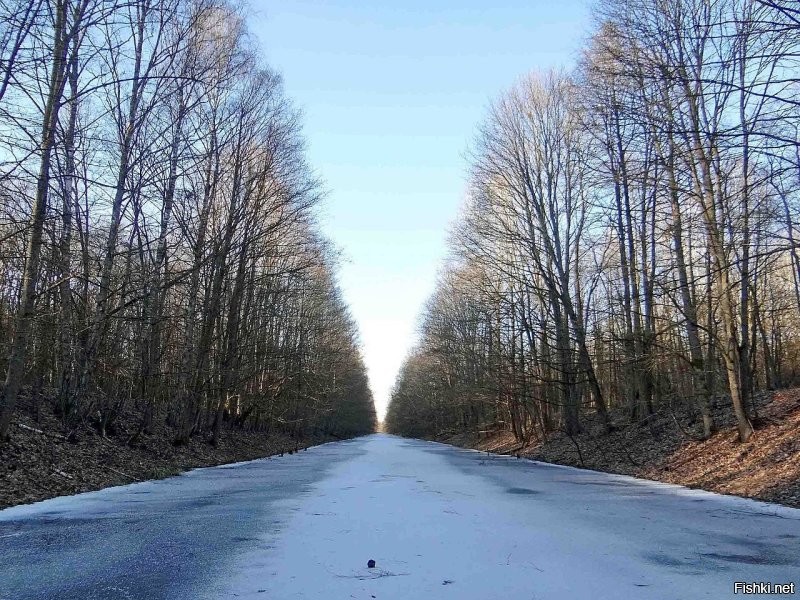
x: 39, y: 462
x: 666, y: 448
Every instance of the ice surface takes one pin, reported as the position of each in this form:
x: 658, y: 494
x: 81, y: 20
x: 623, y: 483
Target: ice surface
x: 439, y: 522
x: 447, y: 523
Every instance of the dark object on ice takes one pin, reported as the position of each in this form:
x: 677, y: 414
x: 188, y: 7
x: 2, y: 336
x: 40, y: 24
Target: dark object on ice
x: 370, y: 564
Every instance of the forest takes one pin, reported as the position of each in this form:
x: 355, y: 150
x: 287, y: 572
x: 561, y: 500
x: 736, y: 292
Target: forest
x: 629, y: 242
x: 161, y: 259
x: 204, y: 267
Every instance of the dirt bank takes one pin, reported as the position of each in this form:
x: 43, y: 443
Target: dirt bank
x: 39, y: 462
x: 665, y: 448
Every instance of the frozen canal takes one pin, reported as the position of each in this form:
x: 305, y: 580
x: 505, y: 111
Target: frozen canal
x: 439, y: 522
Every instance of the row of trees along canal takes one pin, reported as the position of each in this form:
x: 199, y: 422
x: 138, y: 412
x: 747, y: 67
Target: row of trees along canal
x: 630, y: 238
x: 158, y: 245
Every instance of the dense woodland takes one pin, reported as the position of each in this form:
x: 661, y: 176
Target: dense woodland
x: 630, y: 238
x: 159, y: 250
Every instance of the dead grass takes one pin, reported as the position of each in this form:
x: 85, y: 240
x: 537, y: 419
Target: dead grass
x: 665, y: 448
x: 38, y: 462
x: 766, y: 467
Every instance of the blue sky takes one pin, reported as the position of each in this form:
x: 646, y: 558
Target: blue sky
x: 392, y: 94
